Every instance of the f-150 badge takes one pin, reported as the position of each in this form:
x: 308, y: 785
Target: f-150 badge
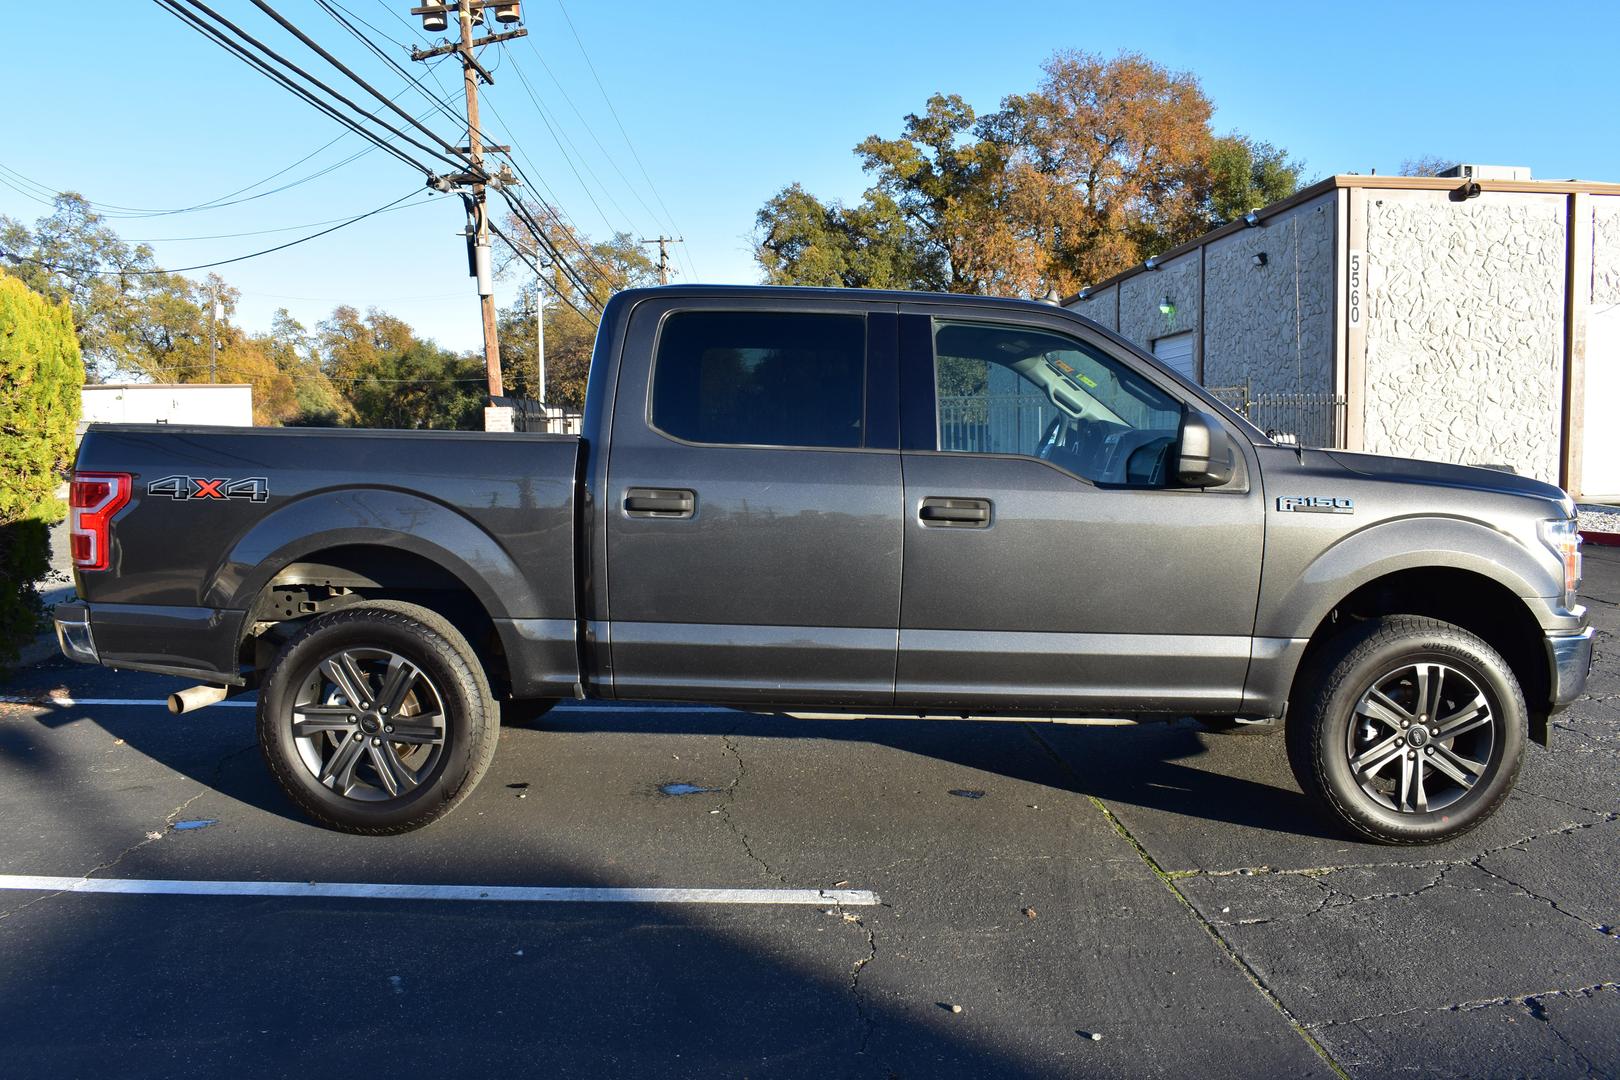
x: 1315, y: 504
x: 189, y: 488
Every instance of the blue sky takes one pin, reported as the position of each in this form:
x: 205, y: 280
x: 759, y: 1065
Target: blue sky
x: 724, y: 103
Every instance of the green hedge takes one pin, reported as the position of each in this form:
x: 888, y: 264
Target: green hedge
x: 40, y: 376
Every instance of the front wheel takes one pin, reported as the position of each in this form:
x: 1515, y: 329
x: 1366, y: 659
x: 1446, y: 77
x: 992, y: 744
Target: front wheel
x: 377, y: 719
x: 1408, y: 730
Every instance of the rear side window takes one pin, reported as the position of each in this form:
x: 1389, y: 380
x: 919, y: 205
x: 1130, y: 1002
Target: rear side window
x: 761, y: 379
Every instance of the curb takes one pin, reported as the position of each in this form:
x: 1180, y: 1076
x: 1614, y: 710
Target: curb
x: 1601, y: 539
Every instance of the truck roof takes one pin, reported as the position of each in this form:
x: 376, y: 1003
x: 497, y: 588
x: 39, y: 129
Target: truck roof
x: 765, y: 292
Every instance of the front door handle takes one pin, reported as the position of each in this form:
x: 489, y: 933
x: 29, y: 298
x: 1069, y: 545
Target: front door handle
x: 659, y: 502
x: 955, y: 513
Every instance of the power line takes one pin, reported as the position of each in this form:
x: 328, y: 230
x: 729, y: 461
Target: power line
x: 559, y: 139
x: 324, y: 106
x: 539, y: 276
x: 615, y: 113
x: 537, y: 231
x: 412, y: 80
x: 222, y: 262
x: 551, y: 206
x: 114, y: 210
x: 589, y: 130
x: 367, y: 87
x: 263, y: 232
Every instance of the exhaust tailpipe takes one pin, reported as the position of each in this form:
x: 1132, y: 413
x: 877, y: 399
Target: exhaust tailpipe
x: 196, y: 697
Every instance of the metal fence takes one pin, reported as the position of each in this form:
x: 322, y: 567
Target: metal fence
x: 993, y: 423
x: 1313, y: 419
x: 1014, y: 423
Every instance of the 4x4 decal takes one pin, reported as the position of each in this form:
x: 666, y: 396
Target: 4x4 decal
x: 186, y: 488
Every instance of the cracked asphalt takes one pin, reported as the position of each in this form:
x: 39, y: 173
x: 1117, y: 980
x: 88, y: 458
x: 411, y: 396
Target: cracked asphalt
x: 1169, y: 890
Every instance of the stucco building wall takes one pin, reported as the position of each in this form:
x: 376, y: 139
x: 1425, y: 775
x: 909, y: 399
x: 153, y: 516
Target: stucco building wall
x: 1273, y: 325
x: 1140, y: 297
x: 1605, y: 250
x: 1465, y: 328
x: 1100, y: 307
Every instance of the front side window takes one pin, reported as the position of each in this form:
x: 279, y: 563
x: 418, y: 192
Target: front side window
x: 761, y: 379
x: 1017, y: 390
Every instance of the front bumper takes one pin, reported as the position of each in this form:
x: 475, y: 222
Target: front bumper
x: 73, y: 633
x: 1571, y: 658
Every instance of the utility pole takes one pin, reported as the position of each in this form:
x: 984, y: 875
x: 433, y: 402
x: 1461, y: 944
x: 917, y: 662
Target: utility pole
x: 472, y: 183
x: 663, y: 243
x: 540, y: 343
x: 213, y: 332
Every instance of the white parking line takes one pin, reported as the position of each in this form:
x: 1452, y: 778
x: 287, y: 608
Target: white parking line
x: 499, y: 893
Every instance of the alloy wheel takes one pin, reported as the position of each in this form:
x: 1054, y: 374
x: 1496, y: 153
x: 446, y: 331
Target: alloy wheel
x: 1421, y: 738
x: 369, y: 724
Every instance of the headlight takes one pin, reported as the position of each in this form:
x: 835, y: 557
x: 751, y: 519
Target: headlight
x: 1564, y: 537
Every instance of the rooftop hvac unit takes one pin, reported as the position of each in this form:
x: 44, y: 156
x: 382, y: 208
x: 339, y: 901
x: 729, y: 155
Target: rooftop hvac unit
x: 1487, y: 172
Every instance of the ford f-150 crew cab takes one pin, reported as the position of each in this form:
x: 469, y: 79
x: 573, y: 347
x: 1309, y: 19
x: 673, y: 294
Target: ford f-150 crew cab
x: 839, y: 501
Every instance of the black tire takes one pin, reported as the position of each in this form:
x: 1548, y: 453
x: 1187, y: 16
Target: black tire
x: 446, y: 715
x: 1443, y: 664
x: 526, y: 710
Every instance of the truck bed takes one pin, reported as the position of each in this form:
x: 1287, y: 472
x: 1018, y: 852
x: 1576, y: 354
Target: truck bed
x: 216, y: 514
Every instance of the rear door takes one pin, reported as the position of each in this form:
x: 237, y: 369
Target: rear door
x: 753, y: 523
x: 1050, y: 562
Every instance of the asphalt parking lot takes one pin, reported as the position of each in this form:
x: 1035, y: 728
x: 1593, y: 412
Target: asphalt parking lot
x: 1035, y: 886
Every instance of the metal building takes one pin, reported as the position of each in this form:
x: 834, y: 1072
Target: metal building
x: 1473, y: 318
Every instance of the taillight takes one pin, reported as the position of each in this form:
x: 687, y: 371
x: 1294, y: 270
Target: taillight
x: 93, y: 499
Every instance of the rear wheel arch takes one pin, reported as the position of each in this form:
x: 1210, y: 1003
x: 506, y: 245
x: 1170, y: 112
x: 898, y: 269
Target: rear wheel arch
x: 343, y: 576
x: 373, y: 518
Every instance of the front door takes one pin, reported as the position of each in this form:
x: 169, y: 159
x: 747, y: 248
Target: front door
x: 753, y: 506
x: 1050, y: 561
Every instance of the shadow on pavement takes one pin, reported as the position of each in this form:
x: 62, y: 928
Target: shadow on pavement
x: 1140, y: 764
x: 194, y: 986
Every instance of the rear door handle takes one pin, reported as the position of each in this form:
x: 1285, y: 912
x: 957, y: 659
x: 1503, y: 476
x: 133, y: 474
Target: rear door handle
x: 955, y: 513
x: 659, y: 502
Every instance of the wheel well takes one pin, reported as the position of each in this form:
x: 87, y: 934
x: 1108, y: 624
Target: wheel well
x: 341, y: 577
x: 1472, y: 601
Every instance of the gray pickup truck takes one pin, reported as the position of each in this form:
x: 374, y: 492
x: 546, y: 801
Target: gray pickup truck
x: 839, y: 501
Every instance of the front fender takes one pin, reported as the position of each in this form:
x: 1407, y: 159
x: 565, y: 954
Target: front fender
x: 1296, y: 598
x: 358, y: 516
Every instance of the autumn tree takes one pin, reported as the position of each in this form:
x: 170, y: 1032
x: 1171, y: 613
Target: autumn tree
x: 948, y: 175
x: 1106, y: 162
x: 293, y: 350
x: 578, y: 277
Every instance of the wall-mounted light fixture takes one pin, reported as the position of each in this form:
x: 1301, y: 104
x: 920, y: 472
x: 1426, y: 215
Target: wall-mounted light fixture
x: 1259, y: 258
x: 1167, y: 308
x: 1252, y: 219
x: 1152, y: 262
x: 1467, y: 191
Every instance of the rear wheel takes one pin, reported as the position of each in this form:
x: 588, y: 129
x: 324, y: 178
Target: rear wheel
x: 1409, y: 730
x: 377, y: 719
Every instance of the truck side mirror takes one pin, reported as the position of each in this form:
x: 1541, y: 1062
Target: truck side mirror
x: 1205, y: 455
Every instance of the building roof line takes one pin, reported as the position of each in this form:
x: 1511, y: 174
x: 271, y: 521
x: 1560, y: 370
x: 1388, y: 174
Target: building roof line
x: 1353, y: 180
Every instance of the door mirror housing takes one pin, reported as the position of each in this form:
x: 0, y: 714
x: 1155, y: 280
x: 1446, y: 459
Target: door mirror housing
x: 1205, y: 456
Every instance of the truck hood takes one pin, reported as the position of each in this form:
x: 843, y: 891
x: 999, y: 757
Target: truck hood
x: 1442, y: 474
